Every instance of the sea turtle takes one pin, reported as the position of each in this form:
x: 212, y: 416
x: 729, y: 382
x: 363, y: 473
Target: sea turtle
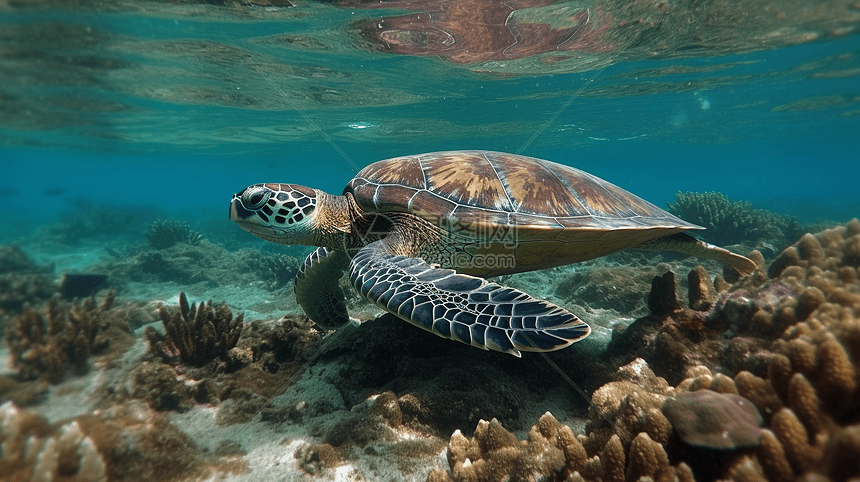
x: 418, y: 235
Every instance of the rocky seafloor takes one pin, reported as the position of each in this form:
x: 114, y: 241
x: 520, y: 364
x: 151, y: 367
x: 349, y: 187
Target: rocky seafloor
x: 690, y: 374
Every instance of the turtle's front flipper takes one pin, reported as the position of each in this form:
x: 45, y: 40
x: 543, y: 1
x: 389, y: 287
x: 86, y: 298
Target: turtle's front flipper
x: 460, y: 307
x: 686, y: 244
x: 318, y: 290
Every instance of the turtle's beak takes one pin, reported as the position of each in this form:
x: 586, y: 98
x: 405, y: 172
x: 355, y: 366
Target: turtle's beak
x: 247, y: 220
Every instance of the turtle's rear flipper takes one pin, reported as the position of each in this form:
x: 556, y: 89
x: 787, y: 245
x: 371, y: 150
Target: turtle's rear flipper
x: 686, y: 244
x: 318, y: 290
x: 460, y: 307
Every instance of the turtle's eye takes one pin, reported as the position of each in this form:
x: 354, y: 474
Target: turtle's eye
x: 255, y: 196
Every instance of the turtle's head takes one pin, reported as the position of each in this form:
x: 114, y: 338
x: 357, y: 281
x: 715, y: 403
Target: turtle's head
x: 282, y: 213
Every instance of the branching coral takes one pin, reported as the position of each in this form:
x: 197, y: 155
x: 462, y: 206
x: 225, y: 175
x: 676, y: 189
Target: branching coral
x: 63, y: 335
x: 195, y: 335
x: 167, y: 232
x: 729, y: 222
x: 281, y: 268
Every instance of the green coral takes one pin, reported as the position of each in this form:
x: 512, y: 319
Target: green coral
x: 282, y: 268
x: 730, y: 222
x: 166, y: 232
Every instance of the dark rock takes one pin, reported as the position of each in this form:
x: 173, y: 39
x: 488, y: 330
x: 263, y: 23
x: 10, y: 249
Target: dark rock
x: 721, y: 421
x: 82, y: 285
x: 662, y: 299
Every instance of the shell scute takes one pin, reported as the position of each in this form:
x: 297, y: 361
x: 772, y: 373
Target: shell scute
x: 365, y: 193
x: 430, y: 205
x: 480, y: 218
x: 535, y: 189
x: 536, y: 252
x: 405, y: 171
x: 393, y: 197
x: 468, y: 180
x: 521, y: 219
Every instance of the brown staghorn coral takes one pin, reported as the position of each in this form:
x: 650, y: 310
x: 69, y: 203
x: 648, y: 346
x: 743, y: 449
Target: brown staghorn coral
x: 195, y: 335
x: 46, y: 343
x: 788, y: 342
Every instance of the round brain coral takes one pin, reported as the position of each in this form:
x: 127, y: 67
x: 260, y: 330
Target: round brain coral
x: 722, y: 421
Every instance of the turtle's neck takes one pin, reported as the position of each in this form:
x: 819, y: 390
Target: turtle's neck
x: 335, y: 221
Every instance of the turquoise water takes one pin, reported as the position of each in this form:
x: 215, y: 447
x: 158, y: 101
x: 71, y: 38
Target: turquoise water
x: 120, y: 117
x: 178, y: 106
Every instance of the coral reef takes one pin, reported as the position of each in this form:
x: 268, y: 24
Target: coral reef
x: 125, y: 442
x: 784, y: 340
x: 45, y: 344
x: 778, y: 350
x: 235, y: 367
x: 282, y: 269
x: 21, y: 280
x: 732, y: 222
x: 165, y: 233
x: 28, y: 452
x: 440, y: 387
x: 194, y: 335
